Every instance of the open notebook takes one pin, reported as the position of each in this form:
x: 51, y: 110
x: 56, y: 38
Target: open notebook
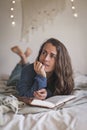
x: 47, y: 103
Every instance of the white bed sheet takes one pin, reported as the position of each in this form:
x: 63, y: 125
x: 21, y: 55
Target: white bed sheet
x: 71, y: 116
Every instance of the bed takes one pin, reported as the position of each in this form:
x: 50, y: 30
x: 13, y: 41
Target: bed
x: 16, y: 115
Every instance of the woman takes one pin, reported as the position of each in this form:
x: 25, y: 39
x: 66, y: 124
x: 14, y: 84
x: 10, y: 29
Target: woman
x: 51, y: 74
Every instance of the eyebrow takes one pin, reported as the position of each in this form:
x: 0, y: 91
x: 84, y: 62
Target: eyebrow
x: 51, y: 52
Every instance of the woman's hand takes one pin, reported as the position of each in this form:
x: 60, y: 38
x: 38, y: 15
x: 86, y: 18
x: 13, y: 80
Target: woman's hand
x: 39, y: 68
x: 40, y: 94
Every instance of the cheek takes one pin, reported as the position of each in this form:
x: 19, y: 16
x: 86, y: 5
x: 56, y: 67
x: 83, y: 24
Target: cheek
x: 40, y: 58
x: 53, y: 65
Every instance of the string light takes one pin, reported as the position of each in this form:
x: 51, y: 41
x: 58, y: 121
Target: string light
x: 75, y: 14
x: 12, y: 16
x: 13, y: 23
x: 73, y: 7
x: 13, y: 1
x: 12, y: 12
x: 12, y: 9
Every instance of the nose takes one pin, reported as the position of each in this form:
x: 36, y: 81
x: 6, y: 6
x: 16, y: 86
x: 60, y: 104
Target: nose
x: 47, y: 57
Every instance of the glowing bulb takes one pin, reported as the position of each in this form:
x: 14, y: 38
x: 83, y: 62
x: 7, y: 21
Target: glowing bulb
x: 12, y: 16
x: 72, y: 0
x: 12, y: 9
x: 13, y: 1
x: 73, y: 7
x: 75, y: 15
x: 13, y: 23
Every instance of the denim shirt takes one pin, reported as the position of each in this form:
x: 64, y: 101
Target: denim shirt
x: 30, y: 82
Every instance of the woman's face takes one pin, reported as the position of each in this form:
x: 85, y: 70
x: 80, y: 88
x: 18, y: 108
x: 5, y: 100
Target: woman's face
x: 48, y: 57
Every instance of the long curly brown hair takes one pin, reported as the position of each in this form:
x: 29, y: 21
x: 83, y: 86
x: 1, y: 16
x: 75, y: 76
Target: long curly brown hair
x: 62, y: 79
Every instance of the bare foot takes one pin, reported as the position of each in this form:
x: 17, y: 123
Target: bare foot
x: 17, y: 50
x: 28, y: 52
x: 23, y: 56
x: 23, y: 60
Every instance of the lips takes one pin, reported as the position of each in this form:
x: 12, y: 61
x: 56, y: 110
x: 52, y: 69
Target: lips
x: 46, y: 65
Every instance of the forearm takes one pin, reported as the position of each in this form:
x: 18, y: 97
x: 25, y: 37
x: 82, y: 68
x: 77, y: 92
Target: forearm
x: 27, y: 87
x: 41, y: 82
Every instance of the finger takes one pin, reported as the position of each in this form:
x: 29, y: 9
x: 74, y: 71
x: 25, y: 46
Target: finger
x: 43, y: 67
x: 41, y: 90
x: 35, y: 64
x: 39, y: 66
x: 40, y: 95
x: 37, y: 96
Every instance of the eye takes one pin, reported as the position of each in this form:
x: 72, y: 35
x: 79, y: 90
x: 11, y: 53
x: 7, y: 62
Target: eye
x: 44, y: 52
x: 52, y: 55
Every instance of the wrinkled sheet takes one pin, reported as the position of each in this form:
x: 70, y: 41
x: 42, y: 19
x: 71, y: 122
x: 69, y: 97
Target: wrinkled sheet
x: 71, y: 116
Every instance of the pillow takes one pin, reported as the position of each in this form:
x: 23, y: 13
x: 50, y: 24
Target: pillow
x: 80, y: 79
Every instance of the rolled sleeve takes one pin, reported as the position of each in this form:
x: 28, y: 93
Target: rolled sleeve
x: 42, y: 81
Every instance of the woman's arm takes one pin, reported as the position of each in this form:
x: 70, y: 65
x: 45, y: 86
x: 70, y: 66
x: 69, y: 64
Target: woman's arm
x: 30, y: 82
x: 43, y: 94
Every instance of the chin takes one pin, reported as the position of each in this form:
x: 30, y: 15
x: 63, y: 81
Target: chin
x: 47, y: 71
